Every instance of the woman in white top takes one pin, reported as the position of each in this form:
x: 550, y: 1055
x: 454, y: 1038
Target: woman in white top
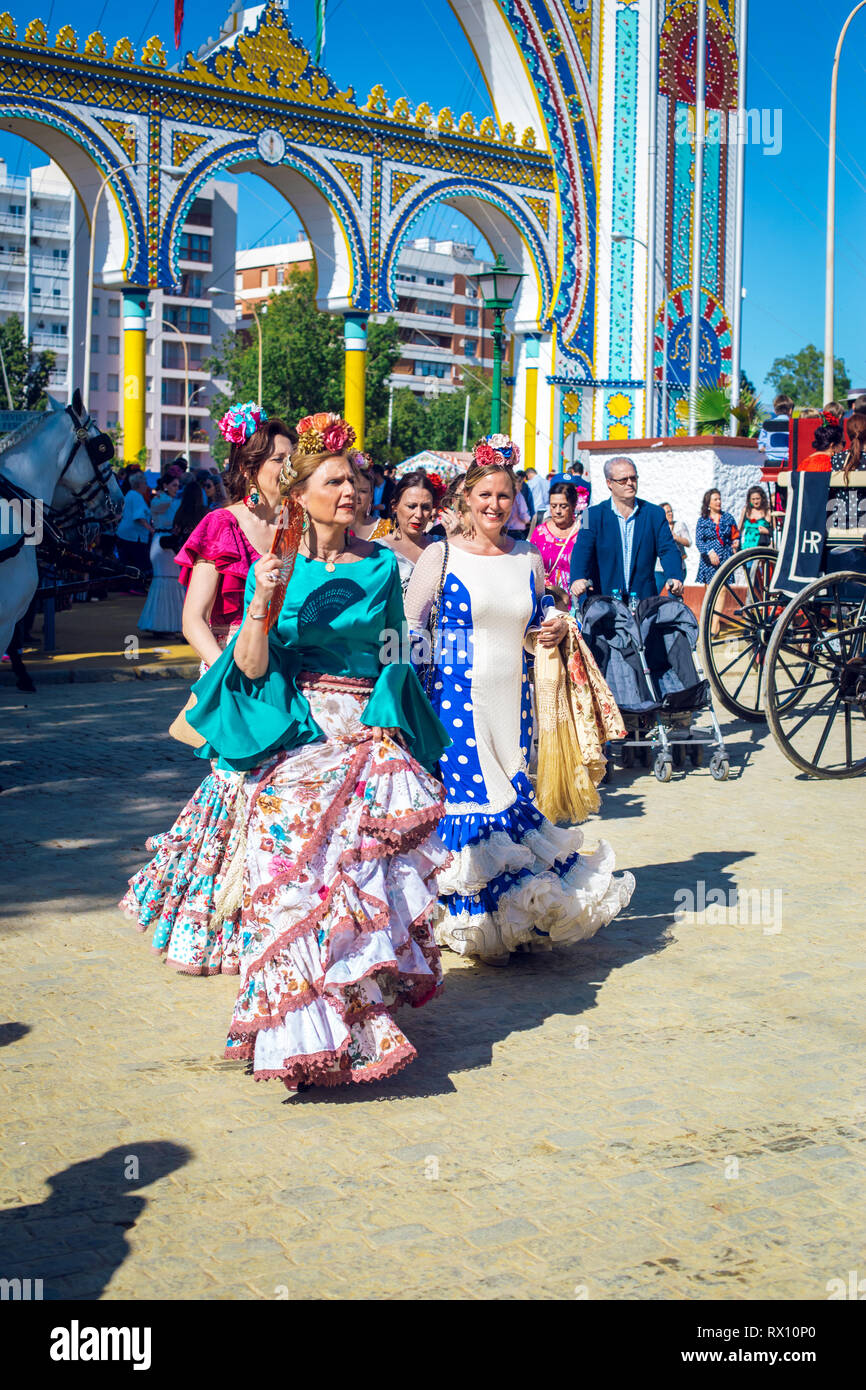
x: 412, y: 509
x: 514, y: 878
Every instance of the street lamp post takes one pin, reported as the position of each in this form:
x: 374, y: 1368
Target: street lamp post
x: 213, y: 290
x: 650, y: 385
x: 830, y: 269
x: 88, y: 327
x: 497, y: 288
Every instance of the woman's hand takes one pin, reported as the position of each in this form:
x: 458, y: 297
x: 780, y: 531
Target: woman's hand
x: 395, y: 735
x: 267, y: 574
x: 713, y: 557
x: 552, y: 631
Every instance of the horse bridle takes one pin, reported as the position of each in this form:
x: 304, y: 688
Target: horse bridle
x: 100, y: 451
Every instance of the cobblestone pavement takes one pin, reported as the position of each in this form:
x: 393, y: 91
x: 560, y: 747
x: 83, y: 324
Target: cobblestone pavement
x: 673, y: 1110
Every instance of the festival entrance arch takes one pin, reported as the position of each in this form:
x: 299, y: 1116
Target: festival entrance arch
x: 561, y: 166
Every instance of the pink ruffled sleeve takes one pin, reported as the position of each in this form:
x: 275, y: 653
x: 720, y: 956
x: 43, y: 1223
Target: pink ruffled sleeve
x: 219, y: 539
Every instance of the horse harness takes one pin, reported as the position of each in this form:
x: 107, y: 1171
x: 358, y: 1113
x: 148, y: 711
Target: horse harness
x: 100, y: 451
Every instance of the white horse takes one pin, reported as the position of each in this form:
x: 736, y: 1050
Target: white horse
x: 56, y: 469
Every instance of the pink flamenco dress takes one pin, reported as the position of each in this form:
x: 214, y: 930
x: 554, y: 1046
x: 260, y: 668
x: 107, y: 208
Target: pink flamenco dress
x: 183, y: 894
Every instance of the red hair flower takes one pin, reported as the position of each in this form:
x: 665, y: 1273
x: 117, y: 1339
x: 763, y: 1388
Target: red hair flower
x: 337, y: 436
x: 485, y: 456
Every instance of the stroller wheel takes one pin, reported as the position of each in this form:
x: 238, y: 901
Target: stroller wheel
x: 663, y: 768
x: 696, y: 754
x: 719, y: 767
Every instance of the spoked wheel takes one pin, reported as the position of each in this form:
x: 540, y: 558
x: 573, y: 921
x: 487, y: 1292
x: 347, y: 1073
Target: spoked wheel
x: 739, y: 613
x: 816, y: 677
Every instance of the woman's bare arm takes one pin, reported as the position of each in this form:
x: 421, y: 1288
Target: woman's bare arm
x: 200, y: 596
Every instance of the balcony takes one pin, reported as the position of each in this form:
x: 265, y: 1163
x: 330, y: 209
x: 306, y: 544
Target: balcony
x: 13, y: 221
x: 50, y: 226
x: 53, y: 265
x: 13, y: 259
x: 58, y: 341
x: 49, y: 304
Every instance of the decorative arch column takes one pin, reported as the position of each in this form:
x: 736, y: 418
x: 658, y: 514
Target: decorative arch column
x: 355, y: 346
x: 134, y: 355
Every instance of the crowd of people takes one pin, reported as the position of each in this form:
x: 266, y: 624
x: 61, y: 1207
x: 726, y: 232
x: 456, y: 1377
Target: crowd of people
x: 363, y: 812
x: 368, y: 647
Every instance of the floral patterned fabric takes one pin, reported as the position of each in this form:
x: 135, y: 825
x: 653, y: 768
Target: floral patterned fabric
x: 341, y: 856
x: 176, y: 892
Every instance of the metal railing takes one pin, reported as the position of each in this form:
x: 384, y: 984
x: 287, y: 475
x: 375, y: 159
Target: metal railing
x: 53, y: 340
x: 50, y: 263
x: 53, y: 225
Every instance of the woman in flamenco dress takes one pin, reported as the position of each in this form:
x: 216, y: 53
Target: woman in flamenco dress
x: 179, y: 893
x: 339, y: 851
x: 515, y: 880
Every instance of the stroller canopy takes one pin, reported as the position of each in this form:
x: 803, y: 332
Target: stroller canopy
x: 613, y: 636
x: 669, y: 634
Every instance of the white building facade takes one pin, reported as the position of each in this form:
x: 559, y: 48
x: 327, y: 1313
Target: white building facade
x: 38, y: 226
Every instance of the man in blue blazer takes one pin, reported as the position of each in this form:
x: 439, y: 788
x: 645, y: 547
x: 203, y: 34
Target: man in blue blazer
x: 620, y: 540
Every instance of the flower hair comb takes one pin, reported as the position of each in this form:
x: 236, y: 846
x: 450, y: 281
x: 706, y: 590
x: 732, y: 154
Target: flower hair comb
x: 241, y: 422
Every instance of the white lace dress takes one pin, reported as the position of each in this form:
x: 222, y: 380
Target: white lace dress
x: 513, y: 877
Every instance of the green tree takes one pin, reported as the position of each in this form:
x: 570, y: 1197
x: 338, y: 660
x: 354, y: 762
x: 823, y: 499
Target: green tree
x: 26, y: 372
x: 800, y: 375
x: 302, y: 358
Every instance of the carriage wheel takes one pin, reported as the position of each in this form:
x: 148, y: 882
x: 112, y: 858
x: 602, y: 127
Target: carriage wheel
x: 739, y: 612
x: 818, y: 651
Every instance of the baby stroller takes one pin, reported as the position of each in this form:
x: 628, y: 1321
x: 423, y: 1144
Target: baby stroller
x: 647, y: 654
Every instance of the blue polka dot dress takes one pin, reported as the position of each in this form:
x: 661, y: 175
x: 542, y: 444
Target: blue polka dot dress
x: 513, y: 876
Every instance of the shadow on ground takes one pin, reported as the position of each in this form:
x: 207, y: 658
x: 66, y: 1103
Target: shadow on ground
x: 76, y: 1239
x: 483, y: 1005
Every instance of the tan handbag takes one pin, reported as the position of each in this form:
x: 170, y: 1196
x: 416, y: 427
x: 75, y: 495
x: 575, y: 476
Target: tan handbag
x: 182, y: 730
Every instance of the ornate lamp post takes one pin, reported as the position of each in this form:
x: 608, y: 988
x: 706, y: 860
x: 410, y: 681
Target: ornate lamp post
x: 497, y: 287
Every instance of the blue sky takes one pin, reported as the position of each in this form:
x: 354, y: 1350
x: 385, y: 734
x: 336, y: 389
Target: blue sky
x: 417, y: 50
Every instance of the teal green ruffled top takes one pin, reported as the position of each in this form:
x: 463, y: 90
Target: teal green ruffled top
x: 331, y: 623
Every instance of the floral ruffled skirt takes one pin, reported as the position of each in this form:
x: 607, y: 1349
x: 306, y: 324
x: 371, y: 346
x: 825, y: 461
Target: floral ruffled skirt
x: 180, y: 892
x: 339, y: 893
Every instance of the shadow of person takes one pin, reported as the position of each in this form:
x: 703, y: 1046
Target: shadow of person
x: 75, y: 1240
x: 481, y: 1006
x: 13, y: 1032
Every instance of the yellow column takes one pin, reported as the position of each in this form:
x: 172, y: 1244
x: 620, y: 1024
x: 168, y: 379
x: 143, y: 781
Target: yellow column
x: 134, y: 354
x: 355, y: 344
x: 530, y: 409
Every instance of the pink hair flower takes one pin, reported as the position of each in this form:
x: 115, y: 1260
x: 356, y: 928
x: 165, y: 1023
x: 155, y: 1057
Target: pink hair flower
x: 337, y: 436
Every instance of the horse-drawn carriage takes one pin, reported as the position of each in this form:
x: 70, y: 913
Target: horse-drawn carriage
x: 783, y: 626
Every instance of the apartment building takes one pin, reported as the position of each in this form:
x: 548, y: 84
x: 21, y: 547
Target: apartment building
x: 37, y: 263
x: 262, y: 270
x: 444, y: 328
x: 185, y: 326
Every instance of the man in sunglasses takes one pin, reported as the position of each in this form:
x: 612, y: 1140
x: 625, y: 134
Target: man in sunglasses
x: 621, y: 539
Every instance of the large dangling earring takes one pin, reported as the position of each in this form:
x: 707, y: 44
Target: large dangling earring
x: 253, y: 497
x: 305, y: 525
